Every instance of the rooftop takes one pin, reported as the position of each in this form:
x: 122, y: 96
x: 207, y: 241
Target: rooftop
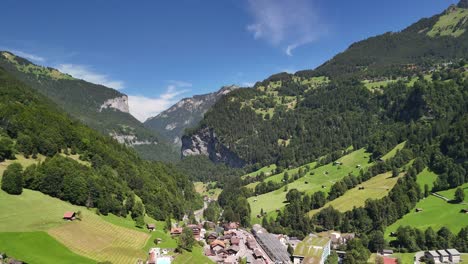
x: 453, y: 252
x: 273, y: 247
x: 311, y: 248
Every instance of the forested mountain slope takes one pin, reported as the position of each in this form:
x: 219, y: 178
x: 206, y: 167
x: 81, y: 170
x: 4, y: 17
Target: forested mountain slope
x: 101, y: 108
x: 292, y: 119
x: 186, y: 113
x: 30, y: 124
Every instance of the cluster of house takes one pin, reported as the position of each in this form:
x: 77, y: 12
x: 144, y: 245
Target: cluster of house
x: 197, y: 230
x: 443, y: 255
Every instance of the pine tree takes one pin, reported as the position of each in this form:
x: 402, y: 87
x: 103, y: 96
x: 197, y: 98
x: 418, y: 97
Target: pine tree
x: 12, y: 181
x: 459, y: 195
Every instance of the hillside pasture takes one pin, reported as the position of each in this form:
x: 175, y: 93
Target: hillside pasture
x: 21, y: 160
x: 436, y: 213
x: 325, y: 176
x: 38, y: 248
x: 426, y: 177
x: 375, y: 188
x: 92, y: 237
x: 97, y: 239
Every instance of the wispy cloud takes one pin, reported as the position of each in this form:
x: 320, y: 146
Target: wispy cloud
x: 28, y: 56
x: 247, y: 84
x: 143, y: 107
x: 87, y: 74
x: 285, y: 23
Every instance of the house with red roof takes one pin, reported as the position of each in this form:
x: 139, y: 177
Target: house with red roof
x: 70, y: 216
x: 388, y: 260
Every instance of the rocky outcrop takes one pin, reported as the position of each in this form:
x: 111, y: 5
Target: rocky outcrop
x: 205, y: 143
x: 185, y: 114
x: 118, y: 103
x: 130, y: 140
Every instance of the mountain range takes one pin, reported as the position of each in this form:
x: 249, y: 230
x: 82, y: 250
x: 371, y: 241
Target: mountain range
x: 100, y: 107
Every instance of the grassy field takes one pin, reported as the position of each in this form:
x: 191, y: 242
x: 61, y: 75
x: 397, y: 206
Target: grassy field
x: 97, y: 239
x: 325, y: 175
x: 30, y: 247
x: 196, y: 256
x: 279, y: 177
x: 32, y: 211
x: 426, y: 177
x: 375, y: 85
x: 268, y: 170
x: 436, y: 214
x: 393, y: 152
x: 201, y: 188
x: 447, y: 22
x: 92, y: 237
x: 21, y: 160
x: 375, y: 188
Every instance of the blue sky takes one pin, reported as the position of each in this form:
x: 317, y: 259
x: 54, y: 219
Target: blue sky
x: 160, y: 51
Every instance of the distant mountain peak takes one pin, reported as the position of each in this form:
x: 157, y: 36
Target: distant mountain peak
x: 186, y: 113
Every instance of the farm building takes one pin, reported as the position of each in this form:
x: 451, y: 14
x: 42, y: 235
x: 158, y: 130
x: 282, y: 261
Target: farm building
x: 314, y: 249
x: 175, y: 231
x: 386, y: 252
x: 69, y: 216
x: 151, y: 227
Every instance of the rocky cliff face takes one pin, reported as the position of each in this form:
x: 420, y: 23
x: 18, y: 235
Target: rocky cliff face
x: 185, y: 114
x: 205, y: 143
x: 118, y: 103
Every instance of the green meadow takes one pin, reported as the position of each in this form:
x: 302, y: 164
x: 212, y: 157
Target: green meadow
x: 436, y: 213
x: 38, y: 248
x: 324, y: 176
x: 375, y: 188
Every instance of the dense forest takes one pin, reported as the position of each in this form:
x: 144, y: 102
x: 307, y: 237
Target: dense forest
x: 107, y: 175
x: 420, y: 98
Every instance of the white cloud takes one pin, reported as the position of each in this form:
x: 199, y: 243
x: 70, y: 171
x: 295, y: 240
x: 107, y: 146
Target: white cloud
x: 247, y: 84
x: 87, y: 74
x: 143, y: 107
x: 285, y: 23
x: 28, y: 56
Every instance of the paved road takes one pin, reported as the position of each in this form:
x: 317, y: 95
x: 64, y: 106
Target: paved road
x: 418, y: 255
x: 199, y: 213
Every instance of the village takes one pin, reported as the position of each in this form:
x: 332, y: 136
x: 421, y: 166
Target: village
x: 228, y: 243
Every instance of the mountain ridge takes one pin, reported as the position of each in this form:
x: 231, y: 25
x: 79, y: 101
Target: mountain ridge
x: 104, y: 109
x: 185, y: 114
x: 276, y: 120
